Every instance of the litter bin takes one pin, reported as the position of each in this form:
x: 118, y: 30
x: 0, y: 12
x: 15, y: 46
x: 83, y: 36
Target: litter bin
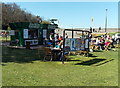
x: 27, y: 45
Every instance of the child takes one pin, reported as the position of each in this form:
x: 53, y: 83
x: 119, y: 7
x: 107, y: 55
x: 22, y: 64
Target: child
x: 57, y: 45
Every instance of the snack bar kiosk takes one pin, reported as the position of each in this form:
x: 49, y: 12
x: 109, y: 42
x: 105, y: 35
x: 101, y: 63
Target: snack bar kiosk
x: 34, y: 33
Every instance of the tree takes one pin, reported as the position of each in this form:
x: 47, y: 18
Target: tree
x: 13, y: 13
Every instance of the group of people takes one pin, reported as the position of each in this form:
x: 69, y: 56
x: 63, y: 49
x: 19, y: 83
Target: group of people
x: 55, y: 40
x: 103, y: 42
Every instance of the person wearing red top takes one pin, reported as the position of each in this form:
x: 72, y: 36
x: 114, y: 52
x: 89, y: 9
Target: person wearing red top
x: 61, y: 38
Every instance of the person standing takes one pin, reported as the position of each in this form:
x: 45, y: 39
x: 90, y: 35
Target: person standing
x: 108, y: 36
x: 61, y: 38
x: 98, y: 43
x: 51, y: 37
x: 56, y: 38
x: 66, y: 35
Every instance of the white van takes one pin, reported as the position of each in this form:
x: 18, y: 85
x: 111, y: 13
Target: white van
x: 117, y: 37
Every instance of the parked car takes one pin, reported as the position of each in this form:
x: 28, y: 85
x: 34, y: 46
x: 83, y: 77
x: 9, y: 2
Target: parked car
x: 117, y: 37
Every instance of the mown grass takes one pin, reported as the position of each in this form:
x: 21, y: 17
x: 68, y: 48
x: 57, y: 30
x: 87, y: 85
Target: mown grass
x: 99, y: 34
x: 20, y: 55
x: 22, y: 67
x: 5, y: 38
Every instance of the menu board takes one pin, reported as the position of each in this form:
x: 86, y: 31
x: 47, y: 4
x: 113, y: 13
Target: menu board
x: 25, y: 33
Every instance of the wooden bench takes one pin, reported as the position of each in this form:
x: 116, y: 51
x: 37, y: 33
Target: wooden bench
x: 48, y: 54
x: 94, y: 47
x: 45, y: 53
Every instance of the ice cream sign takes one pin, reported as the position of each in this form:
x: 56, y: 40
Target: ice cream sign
x: 51, y: 26
x: 34, y: 25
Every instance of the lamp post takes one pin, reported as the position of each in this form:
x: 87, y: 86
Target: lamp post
x: 92, y: 23
x: 106, y: 21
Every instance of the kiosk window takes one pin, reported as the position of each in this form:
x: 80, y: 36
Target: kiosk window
x: 33, y: 34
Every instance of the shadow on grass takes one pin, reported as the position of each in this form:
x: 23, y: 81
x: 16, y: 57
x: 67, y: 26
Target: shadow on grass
x: 104, y: 62
x: 98, y: 51
x: 20, y: 55
x: 90, y: 62
x: 73, y: 60
x: 91, y: 55
x: 3, y: 64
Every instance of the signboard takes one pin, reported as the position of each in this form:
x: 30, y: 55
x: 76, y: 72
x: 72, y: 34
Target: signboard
x: 44, y: 33
x: 87, y: 43
x: 82, y: 47
x: 70, y: 43
x: 34, y: 25
x: 67, y: 42
x: 77, y: 43
x: 51, y: 26
x: 12, y: 32
x: 72, y: 46
x: 25, y: 33
x: 32, y: 42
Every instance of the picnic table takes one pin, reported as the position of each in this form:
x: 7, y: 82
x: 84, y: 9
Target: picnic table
x: 56, y: 53
x: 52, y: 53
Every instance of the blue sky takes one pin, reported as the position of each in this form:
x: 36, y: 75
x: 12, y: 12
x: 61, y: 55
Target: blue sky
x: 75, y: 14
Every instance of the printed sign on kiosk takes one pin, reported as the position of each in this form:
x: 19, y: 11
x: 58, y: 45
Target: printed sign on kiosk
x: 25, y: 33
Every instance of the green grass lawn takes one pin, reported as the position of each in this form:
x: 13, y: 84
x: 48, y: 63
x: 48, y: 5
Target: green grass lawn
x: 5, y: 38
x: 99, y: 34
x: 25, y: 68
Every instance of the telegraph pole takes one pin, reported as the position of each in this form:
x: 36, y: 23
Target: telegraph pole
x: 106, y: 21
